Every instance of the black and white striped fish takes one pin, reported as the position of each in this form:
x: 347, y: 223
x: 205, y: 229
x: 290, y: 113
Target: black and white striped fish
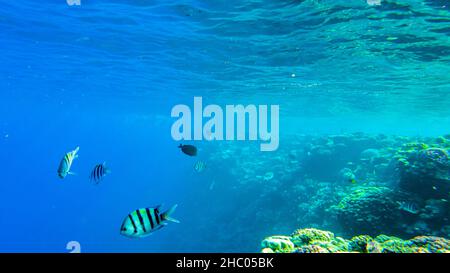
x: 408, y: 207
x: 143, y: 222
x: 98, y: 173
x: 66, y: 163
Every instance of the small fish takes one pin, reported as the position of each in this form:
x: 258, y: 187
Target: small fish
x: 143, y: 222
x: 99, y: 172
x: 408, y: 207
x: 200, y: 166
x: 188, y: 149
x: 66, y: 163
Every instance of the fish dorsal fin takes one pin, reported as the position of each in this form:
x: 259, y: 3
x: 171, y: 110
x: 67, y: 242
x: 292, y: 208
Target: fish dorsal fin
x: 158, y: 207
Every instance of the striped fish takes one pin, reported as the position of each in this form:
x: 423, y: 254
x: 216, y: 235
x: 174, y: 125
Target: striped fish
x: 66, y: 163
x: 99, y: 172
x: 143, y: 222
x: 408, y: 207
x: 199, y: 166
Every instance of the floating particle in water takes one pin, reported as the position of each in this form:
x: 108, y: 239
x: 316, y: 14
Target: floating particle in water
x: 293, y: 75
x: 211, y: 187
x: 6, y: 136
x: 268, y: 176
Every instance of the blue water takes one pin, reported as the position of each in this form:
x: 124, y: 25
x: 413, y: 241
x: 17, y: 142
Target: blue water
x: 105, y: 75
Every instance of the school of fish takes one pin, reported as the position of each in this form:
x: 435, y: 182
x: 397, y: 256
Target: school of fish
x: 140, y: 222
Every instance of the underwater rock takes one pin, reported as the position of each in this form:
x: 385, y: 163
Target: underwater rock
x: 435, y: 210
x: 373, y: 247
x: 325, y: 156
x: 369, y: 154
x: 319, y: 241
x: 369, y: 210
x: 311, y: 249
x: 347, y: 176
x: 268, y: 176
x: 359, y: 243
x: 431, y: 244
x: 423, y: 169
x: 307, y: 186
x: 418, y: 227
x: 307, y: 236
x: 277, y: 244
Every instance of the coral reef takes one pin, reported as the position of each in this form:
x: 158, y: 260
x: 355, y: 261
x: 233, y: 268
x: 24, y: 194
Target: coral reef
x: 425, y: 169
x: 368, y: 210
x: 318, y: 241
x: 350, y: 184
x: 278, y: 244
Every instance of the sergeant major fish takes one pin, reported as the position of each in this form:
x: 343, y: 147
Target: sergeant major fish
x: 99, y: 172
x: 408, y: 207
x: 142, y: 222
x: 66, y: 163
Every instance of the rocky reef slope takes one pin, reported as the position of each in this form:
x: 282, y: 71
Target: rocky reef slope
x: 350, y: 184
x: 312, y: 240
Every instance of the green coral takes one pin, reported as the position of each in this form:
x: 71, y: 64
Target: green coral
x: 368, y: 210
x: 384, y: 238
x: 441, y: 140
x: 278, y: 244
x: 323, y: 240
x: 307, y: 236
x: 414, y: 146
x: 359, y: 243
x: 397, y: 245
x: 373, y: 247
x: 431, y: 244
x: 424, y: 166
x: 318, y: 241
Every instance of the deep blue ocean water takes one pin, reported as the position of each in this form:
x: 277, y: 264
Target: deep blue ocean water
x: 105, y: 75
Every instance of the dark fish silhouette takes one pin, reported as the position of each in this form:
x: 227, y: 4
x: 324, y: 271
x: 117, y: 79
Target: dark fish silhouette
x: 188, y: 149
